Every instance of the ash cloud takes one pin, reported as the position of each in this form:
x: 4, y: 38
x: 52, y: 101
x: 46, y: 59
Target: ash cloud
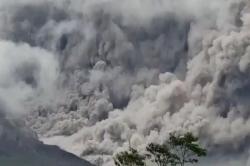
x: 91, y: 75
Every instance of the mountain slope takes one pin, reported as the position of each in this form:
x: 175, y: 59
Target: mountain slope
x: 19, y: 147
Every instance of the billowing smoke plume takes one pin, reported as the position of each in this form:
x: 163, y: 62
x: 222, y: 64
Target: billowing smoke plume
x: 94, y: 74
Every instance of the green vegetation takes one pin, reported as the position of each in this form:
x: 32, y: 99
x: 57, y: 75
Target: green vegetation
x: 129, y: 158
x: 177, y: 151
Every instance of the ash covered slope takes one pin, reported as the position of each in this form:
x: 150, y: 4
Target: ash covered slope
x: 20, y: 147
x: 91, y: 75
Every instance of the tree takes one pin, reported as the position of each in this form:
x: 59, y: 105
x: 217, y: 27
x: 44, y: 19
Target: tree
x: 129, y: 158
x: 177, y: 151
x: 161, y: 155
x: 185, y: 148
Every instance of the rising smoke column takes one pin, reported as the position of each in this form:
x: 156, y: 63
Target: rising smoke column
x: 133, y: 70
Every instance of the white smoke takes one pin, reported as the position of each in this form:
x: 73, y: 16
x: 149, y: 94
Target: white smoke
x: 95, y: 74
x: 28, y: 76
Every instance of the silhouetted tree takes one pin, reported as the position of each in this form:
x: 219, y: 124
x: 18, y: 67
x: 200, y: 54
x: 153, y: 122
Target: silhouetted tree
x: 161, y: 155
x: 177, y: 151
x: 129, y: 158
x: 185, y: 148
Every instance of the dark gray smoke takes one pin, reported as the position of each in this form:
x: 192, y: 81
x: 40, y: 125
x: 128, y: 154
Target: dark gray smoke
x: 91, y: 75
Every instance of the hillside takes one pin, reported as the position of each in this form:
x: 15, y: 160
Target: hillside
x: 19, y: 147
